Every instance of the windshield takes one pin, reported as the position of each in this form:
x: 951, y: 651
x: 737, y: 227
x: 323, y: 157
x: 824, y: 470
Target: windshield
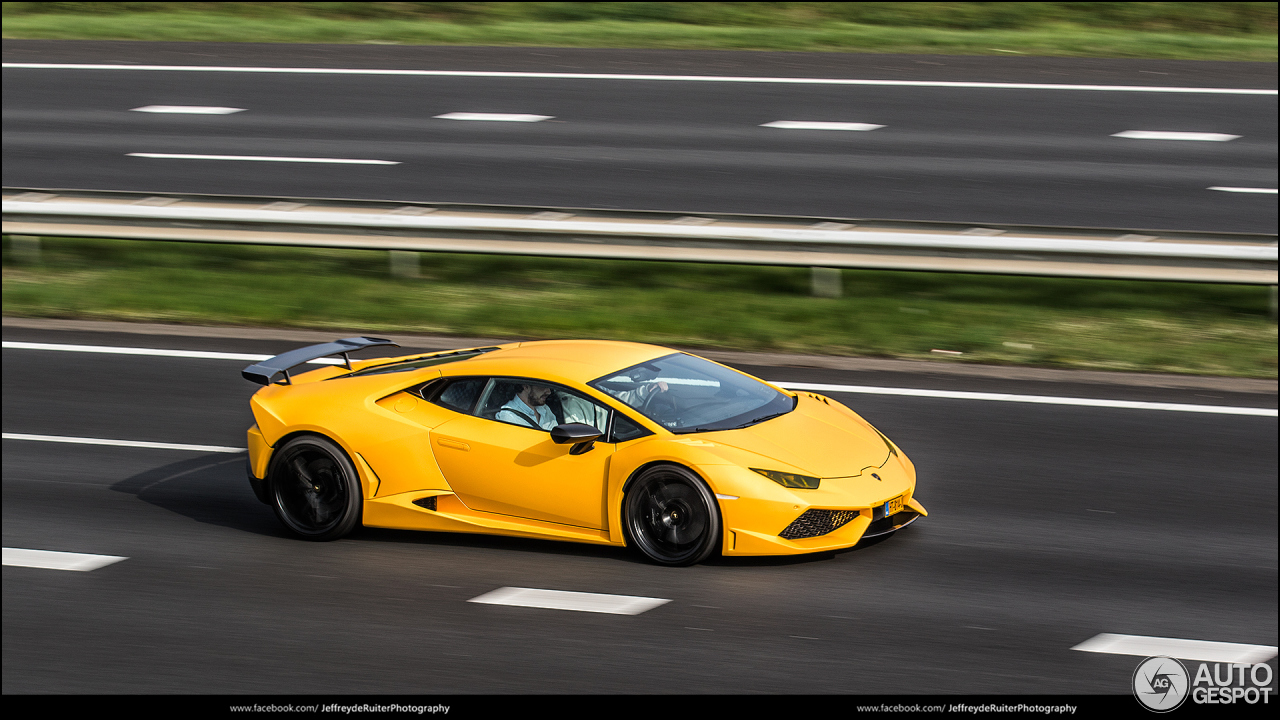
x: 686, y: 394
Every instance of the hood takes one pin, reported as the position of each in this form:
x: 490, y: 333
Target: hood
x: 814, y: 438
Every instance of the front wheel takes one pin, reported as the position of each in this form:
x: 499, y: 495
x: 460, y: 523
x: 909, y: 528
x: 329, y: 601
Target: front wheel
x: 671, y: 516
x: 314, y: 489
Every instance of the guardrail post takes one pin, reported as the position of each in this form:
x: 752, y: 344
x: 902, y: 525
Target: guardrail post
x: 827, y: 282
x: 26, y: 249
x: 406, y: 263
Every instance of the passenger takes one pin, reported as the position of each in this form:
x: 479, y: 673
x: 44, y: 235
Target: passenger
x: 529, y: 408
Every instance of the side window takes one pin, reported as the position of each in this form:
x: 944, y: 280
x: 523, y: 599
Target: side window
x: 506, y: 394
x: 625, y: 429
x: 575, y: 408
x: 539, y: 405
x: 461, y: 395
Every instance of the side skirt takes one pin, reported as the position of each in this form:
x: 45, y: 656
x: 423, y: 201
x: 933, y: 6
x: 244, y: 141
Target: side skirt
x: 401, y: 512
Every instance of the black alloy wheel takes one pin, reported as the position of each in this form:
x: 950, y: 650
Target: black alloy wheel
x: 314, y: 489
x: 671, y: 516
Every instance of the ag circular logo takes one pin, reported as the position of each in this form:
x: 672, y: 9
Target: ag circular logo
x: 1160, y: 683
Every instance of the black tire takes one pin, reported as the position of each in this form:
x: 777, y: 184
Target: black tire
x: 671, y: 516
x: 314, y: 489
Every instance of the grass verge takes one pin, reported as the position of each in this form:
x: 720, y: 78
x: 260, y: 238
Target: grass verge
x: 1094, y: 324
x: 1063, y: 39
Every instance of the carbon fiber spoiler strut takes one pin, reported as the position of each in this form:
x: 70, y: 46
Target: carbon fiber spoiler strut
x: 263, y: 372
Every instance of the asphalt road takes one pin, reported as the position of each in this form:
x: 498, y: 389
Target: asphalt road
x: 1048, y: 525
x: 964, y: 154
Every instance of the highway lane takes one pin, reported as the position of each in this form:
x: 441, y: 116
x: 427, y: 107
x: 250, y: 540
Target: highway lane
x: 981, y: 155
x: 1049, y: 525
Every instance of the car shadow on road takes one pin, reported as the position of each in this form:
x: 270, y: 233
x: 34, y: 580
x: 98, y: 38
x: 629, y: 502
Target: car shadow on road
x: 773, y: 560
x: 554, y: 547
x: 209, y: 489
x: 495, y: 542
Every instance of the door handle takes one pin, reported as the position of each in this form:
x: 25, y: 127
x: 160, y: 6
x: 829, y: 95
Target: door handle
x: 451, y: 443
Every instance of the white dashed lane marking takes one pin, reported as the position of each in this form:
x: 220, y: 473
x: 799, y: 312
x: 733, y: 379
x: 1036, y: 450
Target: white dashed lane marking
x: 261, y: 158
x: 50, y: 560
x: 187, y: 110
x: 564, y: 600
x: 494, y: 117
x: 1203, y: 650
x: 1262, y: 191
x: 1158, y: 135
x: 806, y: 125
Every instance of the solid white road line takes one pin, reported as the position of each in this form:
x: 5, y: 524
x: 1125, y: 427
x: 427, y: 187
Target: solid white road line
x: 1202, y: 650
x: 1038, y: 399
x: 122, y: 443
x: 493, y: 117
x: 113, y: 350
x: 614, y: 76
x: 1157, y: 135
x: 262, y: 158
x: 187, y: 109
x: 1264, y: 191
x: 805, y: 125
x: 49, y: 560
x: 562, y: 600
x: 818, y: 387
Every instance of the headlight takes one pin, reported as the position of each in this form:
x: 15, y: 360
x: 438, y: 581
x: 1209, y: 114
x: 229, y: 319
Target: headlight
x: 790, y: 480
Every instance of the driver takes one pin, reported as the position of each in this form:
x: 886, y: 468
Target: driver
x: 529, y: 408
x: 638, y: 397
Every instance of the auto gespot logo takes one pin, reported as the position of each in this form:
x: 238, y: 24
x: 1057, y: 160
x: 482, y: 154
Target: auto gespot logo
x: 1162, y: 684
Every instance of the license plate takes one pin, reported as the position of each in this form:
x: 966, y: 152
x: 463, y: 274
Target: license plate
x: 894, y: 506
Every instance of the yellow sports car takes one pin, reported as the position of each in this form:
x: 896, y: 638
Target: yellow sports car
x: 614, y: 443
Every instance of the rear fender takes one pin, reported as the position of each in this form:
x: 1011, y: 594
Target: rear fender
x: 369, y: 480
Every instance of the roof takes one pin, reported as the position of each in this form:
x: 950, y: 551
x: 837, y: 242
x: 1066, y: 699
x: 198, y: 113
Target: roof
x: 579, y: 361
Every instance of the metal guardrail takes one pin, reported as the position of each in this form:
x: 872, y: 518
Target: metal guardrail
x: 574, y: 232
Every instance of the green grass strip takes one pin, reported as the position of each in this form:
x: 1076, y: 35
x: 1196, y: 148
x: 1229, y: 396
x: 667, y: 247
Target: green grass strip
x: 1061, y: 39
x: 1052, y: 322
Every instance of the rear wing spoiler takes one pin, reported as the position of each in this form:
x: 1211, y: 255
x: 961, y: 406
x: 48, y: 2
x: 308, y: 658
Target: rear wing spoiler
x: 264, y: 372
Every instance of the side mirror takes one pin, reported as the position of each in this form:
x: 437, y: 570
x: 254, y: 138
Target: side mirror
x: 580, y: 435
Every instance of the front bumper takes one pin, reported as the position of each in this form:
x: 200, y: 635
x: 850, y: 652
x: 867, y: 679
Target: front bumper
x: 764, y: 520
x: 892, y: 523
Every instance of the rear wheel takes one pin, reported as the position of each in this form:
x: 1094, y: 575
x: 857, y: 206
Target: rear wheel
x: 672, y: 516
x: 314, y: 489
